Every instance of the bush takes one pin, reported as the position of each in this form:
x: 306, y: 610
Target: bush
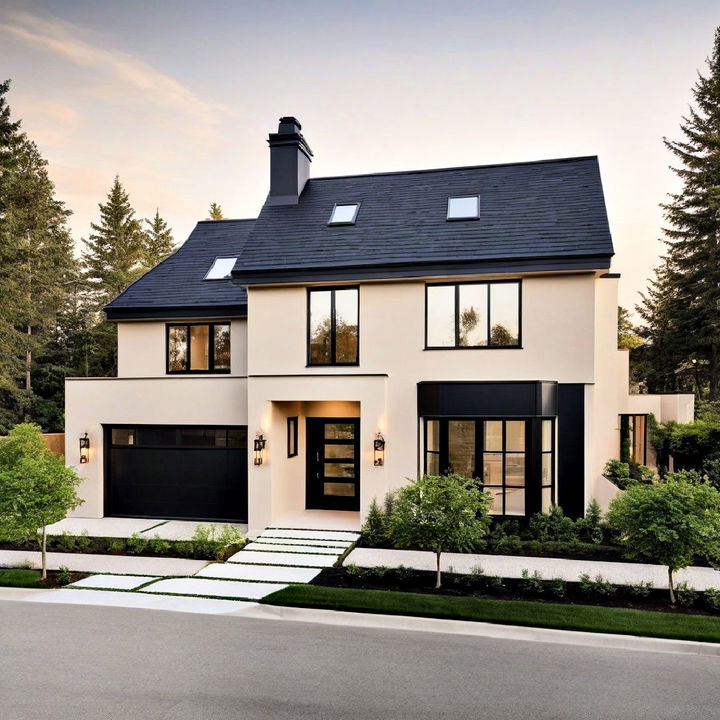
x: 116, y: 545
x: 686, y: 596
x: 378, y: 572
x: 353, y: 570
x: 136, y: 544
x: 641, y: 589
x: 83, y: 542
x: 66, y: 543
x: 63, y: 575
x: 531, y: 584
x: 597, y: 589
x: 711, y: 598
x: 558, y: 588
x: 552, y: 526
x: 375, y: 528
x: 618, y: 473
x: 589, y: 528
x: 157, y: 545
x: 509, y: 544
x: 493, y: 583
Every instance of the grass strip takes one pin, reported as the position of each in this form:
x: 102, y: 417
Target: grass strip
x: 16, y: 577
x: 587, y: 618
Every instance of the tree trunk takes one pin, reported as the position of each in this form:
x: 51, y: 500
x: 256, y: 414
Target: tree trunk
x: 43, y: 553
x: 671, y: 586
x: 438, y: 577
x: 28, y: 362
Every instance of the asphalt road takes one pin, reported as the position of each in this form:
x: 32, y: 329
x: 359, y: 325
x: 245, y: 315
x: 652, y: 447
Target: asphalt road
x: 84, y: 662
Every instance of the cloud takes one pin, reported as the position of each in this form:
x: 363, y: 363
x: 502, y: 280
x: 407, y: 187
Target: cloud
x: 156, y: 87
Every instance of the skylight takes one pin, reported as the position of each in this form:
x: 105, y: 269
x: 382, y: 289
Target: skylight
x: 344, y: 214
x: 221, y: 268
x: 463, y: 208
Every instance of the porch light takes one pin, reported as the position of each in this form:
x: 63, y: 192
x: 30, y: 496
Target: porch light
x: 258, y: 448
x: 379, y: 450
x: 84, y: 449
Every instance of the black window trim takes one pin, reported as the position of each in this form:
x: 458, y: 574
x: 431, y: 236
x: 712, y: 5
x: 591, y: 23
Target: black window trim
x: 457, y: 346
x: 177, y: 430
x: 333, y: 362
x: 645, y: 434
x: 292, y: 436
x: 211, y: 349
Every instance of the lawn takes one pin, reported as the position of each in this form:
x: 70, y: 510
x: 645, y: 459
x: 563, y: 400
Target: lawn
x: 588, y: 618
x: 20, y: 578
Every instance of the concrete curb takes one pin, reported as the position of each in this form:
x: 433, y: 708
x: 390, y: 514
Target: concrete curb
x: 481, y: 629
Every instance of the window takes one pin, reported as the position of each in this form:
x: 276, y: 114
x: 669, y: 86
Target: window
x: 633, y: 439
x: 179, y: 436
x: 198, y: 348
x: 221, y: 268
x: 473, y: 315
x: 547, y: 467
x: 333, y: 326
x: 463, y: 208
x: 344, y: 214
x: 504, y: 465
x: 292, y: 437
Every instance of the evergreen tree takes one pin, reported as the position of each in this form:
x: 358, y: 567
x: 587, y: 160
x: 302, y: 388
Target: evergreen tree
x: 216, y: 212
x: 158, y: 243
x: 682, y: 307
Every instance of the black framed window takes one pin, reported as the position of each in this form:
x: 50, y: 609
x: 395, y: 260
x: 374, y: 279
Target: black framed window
x: 198, y: 348
x: 547, y: 465
x: 473, y: 315
x: 292, y: 437
x: 169, y: 436
x: 333, y: 326
x: 633, y: 439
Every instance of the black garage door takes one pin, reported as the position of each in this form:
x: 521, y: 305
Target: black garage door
x: 171, y: 471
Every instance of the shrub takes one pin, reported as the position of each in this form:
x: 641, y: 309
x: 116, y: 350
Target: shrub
x: 589, y: 528
x: 597, y: 589
x: 493, y: 583
x: 711, y: 598
x: 157, y: 545
x: 509, y: 544
x: 618, y: 473
x: 116, y: 545
x: 476, y: 571
x: 404, y: 574
x: 378, y: 572
x: 531, y: 584
x: 641, y: 589
x: 552, y: 526
x: 558, y: 588
x: 83, y: 542
x: 66, y: 542
x: 136, y: 544
x: 375, y: 528
x: 353, y: 570
x: 686, y: 596
x: 63, y: 575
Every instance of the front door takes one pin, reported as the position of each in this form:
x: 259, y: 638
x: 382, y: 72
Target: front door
x: 333, y: 468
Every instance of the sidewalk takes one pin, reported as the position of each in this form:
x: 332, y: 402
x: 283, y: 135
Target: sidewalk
x: 511, y: 566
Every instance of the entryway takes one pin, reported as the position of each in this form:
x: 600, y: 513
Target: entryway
x: 333, y: 464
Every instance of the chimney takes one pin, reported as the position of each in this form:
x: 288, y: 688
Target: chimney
x: 290, y: 158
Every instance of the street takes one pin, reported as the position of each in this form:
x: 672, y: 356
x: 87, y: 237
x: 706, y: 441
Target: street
x: 67, y: 662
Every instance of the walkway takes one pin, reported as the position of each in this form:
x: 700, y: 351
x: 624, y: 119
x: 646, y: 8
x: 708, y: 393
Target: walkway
x: 511, y: 566
x: 125, y: 527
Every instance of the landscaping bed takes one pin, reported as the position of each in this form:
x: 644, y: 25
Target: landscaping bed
x: 593, y: 591
x: 25, y: 578
x: 587, y: 618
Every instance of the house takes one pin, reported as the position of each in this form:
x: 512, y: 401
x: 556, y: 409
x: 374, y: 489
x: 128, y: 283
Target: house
x: 362, y: 330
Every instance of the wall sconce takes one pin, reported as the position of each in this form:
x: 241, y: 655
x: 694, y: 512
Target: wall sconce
x: 84, y: 449
x: 258, y: 448
x: 379, y: 450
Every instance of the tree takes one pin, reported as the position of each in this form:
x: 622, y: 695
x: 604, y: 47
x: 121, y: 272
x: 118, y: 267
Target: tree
x: 682, y: 309
x: 628, y: 339
x: 158, y: 243
x: 36, y: 489
x: 446, y: 513
x: 669, y: 523
x: 216, y: 212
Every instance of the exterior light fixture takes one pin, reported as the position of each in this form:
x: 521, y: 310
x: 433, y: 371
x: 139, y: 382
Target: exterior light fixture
x: 379, y: 450
x: 258, y: 448
x: 84, y: 449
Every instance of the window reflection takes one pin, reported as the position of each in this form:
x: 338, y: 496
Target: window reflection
x: 334, y: 327
x: 473, y: 315
x: 441, y: 316
x: 320, y: 327
x: 504, y: 311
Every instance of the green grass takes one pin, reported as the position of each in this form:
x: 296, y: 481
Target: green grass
x: 588, y: 618
x: 20, y: 578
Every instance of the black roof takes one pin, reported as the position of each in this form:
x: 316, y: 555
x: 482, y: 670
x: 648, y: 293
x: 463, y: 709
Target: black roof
x: 176, y: 288
x: 544, y: 215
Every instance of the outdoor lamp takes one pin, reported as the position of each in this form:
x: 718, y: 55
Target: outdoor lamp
x: 379, y: 449
x: 84, y: 449
x: 258, y: 448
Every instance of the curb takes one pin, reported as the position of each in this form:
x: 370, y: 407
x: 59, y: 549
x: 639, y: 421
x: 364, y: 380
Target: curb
x: 482, y: 629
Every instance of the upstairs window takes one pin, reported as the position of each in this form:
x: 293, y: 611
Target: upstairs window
x: 463, y: 208
x: 473, y: 315
x: 198, y: 348
x: 344, y: 214
x: 221, y: 268
x: 333, y: 327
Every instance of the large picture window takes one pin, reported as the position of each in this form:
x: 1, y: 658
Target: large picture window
x: 473, y: 315
x: 513, y: 459
x: 333, y: 326
x: 198, y: 348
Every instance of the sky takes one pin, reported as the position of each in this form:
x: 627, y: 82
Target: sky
x: 178, y: 97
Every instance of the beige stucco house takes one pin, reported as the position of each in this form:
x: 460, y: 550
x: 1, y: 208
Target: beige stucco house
x: 362, y: 330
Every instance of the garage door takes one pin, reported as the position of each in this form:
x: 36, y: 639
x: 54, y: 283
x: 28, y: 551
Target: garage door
x: 171, y: 471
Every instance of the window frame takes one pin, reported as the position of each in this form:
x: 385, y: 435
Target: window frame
x: 214, y: 262
x: 292, y: 436
x: 487, y: 283
x: 333, y: 329
x: 625, y: 423
x: 344, y: 222
x: 211, y: 348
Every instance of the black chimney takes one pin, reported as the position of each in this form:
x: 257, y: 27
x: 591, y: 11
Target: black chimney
x: 290, y: 158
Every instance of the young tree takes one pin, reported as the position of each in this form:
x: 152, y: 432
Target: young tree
x: 216, y: 212
x: 36, y: 489
x: 446, y: 513
x: 668, y: 523
x: 158, y: 243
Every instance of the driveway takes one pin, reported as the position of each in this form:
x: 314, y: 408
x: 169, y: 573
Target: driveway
x: 71, y: 662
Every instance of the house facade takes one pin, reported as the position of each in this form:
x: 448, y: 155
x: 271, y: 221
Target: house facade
x: 364, y: 330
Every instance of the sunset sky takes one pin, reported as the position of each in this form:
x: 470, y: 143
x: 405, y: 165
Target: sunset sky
x: 178, y: 97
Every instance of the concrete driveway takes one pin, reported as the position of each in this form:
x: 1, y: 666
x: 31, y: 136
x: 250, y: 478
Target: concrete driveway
x: 84, y: 662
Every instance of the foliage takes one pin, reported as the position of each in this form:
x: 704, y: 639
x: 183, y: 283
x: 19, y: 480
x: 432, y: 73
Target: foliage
x: 36, y: 489
x: 375, y: 528
x: 668, y: 523
x: 711, y: 598
x: 441, y: 514
x: 508, y: 544
x: 558, y: 588
x: 641, y: 589
x: 625, y: 474
x: 628, y: 338
x: 531, y: 584
x: 596, y: 589
x: 589, y: 528
x: 551, y: 526
x: 158, y: 242
x: 63, y: 575
x: 686, y: 596
x: 215, y: 212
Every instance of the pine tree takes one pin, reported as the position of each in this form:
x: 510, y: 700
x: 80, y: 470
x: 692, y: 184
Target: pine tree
x: 216, y: 212
x: 682, y: 308
x: 158, y: 242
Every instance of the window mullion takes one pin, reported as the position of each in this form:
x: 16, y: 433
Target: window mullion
x: 504, y: 465
x: 457, y: 316
x: 211, y: 347
x: 489, y: 326
x: 188, y: 345
x: 333, y: 327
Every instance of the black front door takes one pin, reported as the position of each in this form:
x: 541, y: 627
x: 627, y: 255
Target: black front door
x: 333, y: 468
